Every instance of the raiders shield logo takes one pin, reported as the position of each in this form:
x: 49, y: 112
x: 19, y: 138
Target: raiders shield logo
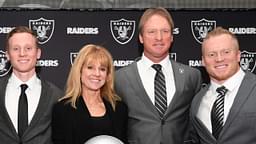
x: 122, y: 30
x: 5, y: 65
x: 43, y: 28
x: 200, y: 28
x: 248, y: 60
x: 72, y: 57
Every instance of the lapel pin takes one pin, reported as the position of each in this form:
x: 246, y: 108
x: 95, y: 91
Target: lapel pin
x: 181, y: 70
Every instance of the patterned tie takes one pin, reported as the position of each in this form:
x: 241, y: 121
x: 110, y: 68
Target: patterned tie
x: 160, y: 90
x: 217, y: 113
x: 23, y: 111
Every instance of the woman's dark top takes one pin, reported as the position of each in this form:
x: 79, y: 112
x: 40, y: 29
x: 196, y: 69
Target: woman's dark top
x: 76, y: 126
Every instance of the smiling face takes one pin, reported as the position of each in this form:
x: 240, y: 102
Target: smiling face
x: 156, y: 38
x: 93, y: 76
x: 23, y: 53
x: 221, y: 57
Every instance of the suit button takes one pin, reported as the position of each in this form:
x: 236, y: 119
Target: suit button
x: 163, y: 122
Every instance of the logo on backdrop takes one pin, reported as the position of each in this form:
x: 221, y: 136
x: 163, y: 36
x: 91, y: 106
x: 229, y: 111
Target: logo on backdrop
x: 5, y: 30
x: 242, y: 30
x: 200, y: 28
x: 121, y: 63
x: 248, y: 60
x: 195, y: 63
x: 83, y: 30
x: 122, y: 30
x: 43, y: 28
x: 72, y: 57
x: 5, y: 66
x: 48, y: 63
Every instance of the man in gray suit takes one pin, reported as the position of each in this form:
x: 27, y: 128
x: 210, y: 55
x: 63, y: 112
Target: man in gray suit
x: 135, y: 84
x: 228, y: 117
x: 22, y: 52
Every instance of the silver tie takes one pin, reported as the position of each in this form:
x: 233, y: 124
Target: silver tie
x: 217, y: 113
x: 160, y: 90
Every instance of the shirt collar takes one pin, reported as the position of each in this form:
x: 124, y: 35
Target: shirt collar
x: 17, y: 82
x: 147, y: 63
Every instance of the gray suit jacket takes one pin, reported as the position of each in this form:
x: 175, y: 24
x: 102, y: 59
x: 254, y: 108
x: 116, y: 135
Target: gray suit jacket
x: 240, y: 127
x: 144, y: 123
x: 39, y: 129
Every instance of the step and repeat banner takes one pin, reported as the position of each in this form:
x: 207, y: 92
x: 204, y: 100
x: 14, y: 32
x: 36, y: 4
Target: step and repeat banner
x: 61, y: 34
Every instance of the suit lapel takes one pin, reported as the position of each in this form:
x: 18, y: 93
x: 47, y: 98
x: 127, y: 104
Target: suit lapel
x: 136, y: 83
x: 9, y: 130
x: 178, y: 74
x: 197, y: 100
x: 204, y: 132
x: 42, y: 106
x: 242, y: 95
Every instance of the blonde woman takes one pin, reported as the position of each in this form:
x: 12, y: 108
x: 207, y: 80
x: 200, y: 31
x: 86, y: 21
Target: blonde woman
x: 90, y: 106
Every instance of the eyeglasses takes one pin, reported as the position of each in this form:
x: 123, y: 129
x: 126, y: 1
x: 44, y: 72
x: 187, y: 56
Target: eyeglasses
x: 154, y: 32
x: 224, y: 53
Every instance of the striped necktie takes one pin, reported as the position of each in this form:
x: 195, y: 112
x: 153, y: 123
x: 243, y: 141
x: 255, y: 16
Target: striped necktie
x: 160, y: 90
x: 217, y: 113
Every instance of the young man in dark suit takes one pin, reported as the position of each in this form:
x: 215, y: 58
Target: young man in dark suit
x: 25, y: 114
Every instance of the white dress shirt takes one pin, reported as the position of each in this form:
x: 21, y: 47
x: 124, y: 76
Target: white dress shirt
x: 147, y: 75
x: 12, y: 94
x: 232, y: 84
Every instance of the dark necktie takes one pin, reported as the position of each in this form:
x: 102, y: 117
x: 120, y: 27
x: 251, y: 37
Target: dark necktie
x: 23, y: 111
x: 217, y: 113
x: 160, y: 90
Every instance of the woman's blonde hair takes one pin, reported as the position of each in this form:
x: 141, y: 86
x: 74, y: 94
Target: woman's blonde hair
x: 91, y: 54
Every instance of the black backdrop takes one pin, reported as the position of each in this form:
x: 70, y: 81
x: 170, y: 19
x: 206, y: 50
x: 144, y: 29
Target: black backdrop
x: 62, y: 33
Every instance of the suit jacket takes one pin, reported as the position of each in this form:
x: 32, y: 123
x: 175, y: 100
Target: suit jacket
x: 239, y: 127
x: 39, y: 129
x: 144, y: 123
x: 75, y: 126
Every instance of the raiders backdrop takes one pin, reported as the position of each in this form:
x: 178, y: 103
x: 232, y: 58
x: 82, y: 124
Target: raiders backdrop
x: 61, y: 33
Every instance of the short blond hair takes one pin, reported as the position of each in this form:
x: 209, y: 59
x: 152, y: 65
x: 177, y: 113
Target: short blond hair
x: 220, y: 31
